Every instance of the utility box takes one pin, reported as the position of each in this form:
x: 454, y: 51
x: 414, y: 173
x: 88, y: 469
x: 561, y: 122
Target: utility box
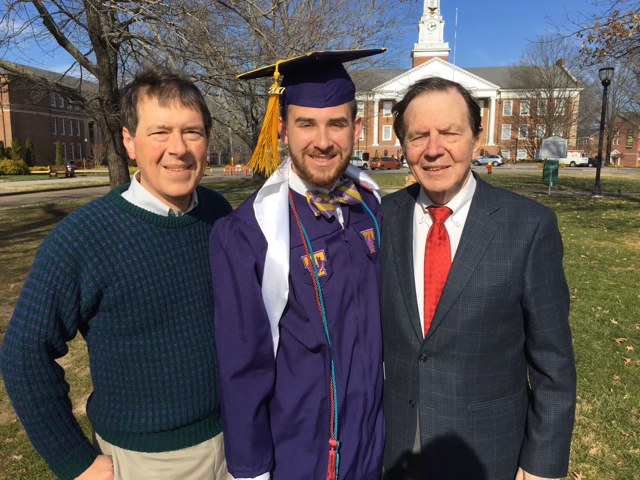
x: 550, y: 171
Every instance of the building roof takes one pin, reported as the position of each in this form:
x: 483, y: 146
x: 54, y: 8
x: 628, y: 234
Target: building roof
x: 66, y: 80
x: 631, y: 117
x: 367, y: 80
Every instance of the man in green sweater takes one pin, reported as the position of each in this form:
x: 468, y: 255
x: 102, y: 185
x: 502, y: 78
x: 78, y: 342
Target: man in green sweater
x: 130, y: 272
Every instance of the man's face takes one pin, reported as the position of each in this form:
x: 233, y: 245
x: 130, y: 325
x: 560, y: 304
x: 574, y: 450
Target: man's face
x: 439, y: 143
x: 320, y: 141
x: 170, y: 148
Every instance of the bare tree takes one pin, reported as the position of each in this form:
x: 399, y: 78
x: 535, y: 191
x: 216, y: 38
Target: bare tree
x: 547, y: 92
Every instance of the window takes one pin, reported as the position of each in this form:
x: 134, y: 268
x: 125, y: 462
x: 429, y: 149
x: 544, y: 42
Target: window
x: 542, y: 107
x: 358, y: 153
x: 61, y: 102
x: 64, y: 151
x: 557, y: 130
x: 52, y: 98
x: 72, y: 152
x: 522, y: 154
x: 506, y: 154
x: 506, y: 132
x: 540, y: 131
x: 386, y: 132
x: 523, y: 131
x: 68, y: 105
x: 54, y: 126
x: 524, y: 108
x: 62, y: 126
x: 78, y: 128
x: 507, y: 107
x: 361, y: 109
x: 79, y: 151
x: 361, y: 134
x: 70, y: 127
x: 559, y: 107
x: 386, y: 109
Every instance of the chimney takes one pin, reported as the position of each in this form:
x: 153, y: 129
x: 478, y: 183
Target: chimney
x: 560, y: 62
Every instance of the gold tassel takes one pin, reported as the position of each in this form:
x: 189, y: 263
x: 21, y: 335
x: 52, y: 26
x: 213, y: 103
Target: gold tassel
x: 265, y: 156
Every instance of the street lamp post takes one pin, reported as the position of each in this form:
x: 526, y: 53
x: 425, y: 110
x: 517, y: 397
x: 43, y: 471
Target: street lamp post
x: 606, y: 75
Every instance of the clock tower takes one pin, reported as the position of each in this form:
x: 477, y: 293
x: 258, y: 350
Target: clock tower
x: 431, y: 42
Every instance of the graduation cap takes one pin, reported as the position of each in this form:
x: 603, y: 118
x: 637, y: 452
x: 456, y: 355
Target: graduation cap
x: 317, y: 79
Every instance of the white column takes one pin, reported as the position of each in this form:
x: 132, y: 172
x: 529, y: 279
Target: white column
x: 376, y: 106
x: 492, y: 120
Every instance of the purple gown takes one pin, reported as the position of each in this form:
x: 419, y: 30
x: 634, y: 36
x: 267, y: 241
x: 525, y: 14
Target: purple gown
x: 276, y: 413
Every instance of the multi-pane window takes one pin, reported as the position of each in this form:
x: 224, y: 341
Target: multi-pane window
x: 542, y: 107
x: 361, y: 134
x: 70, y: 127
x: 61, y: 102
x: 79, y: 151
x: 52, y: 99
x: 62, y: 126
x: 507, y: 108
x: 64, y: 151
x: 522, y: 154
x: 559, y: 107
x: 523, y: 131
x: 540, y: 131
x: 54, y: 126
x: 506, y: 132
x: 361, y: 109
x: 78, y: 128
x: 524, y: 108
x: 386, y: 132
x: 506, y: 154
x: 557, y: 130
x: 72, y: 152
x: 386, y: 109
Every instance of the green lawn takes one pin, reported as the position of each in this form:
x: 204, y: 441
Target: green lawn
x: 602, y: 264
x: 609, y: 182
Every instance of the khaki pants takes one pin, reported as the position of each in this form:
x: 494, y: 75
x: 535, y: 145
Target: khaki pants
x: 204, y: 461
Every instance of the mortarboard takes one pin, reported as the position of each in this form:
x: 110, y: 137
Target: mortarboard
x: 317, y: 79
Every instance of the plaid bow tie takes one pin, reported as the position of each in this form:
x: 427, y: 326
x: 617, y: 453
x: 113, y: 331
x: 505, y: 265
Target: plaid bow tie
x: 325, y: 203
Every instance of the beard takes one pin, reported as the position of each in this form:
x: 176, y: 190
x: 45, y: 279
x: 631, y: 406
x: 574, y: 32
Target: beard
x: 320, y: 177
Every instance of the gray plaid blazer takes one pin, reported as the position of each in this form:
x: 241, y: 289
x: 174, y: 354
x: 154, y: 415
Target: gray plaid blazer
x: 493, y: 383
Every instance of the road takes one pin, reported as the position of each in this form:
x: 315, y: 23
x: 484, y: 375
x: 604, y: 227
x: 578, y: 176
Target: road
x: 532, y: 167
x: 53, y: 196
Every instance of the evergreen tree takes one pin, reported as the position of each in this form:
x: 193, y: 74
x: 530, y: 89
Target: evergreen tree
x: 59, y: 159
x: 16, y: 150
x: 29, y: 153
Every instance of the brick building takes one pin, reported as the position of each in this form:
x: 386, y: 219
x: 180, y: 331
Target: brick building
x: 625, y: 141
x: 46, y: 117
x: 514, y: 119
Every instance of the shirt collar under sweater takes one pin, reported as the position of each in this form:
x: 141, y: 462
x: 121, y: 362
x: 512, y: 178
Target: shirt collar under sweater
x: 143, y: 198
x: 163, y: 221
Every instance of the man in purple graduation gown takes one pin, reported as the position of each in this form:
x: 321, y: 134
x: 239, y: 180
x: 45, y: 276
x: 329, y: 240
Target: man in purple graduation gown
x: 275, y: 355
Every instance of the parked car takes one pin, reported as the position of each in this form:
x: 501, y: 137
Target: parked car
x: 358, y: 162
x: 495, y: 160
x: 385, y: 162
x: 593, y: 161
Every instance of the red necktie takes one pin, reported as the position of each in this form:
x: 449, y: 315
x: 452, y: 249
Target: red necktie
x: 437, y: 260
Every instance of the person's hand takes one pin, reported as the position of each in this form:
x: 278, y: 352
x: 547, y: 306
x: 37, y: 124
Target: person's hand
x: 522, y: 475
x: 100, y: 469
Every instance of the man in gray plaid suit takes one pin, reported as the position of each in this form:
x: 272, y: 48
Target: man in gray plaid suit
x: 480, y: 376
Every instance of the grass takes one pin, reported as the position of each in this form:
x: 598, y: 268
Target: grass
x: 602, y: 265
x: 609, y: 182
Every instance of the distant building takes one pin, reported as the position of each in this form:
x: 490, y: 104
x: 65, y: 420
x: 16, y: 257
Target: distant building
x: 509, y: 113
x: 26, y: 111
x: 624, y: 141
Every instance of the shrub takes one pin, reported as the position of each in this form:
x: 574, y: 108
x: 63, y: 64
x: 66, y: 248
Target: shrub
x: 38, y: 169
x: 29, y: 153
x: 16, y: 149
x: 13, y: 167
x: 132, y: 170
x: 59, y: 159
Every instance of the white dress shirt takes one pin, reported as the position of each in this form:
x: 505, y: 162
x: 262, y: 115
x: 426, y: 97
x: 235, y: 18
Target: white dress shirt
x: 141, y: 197
x: 422, y: 221
x: 298, y: 185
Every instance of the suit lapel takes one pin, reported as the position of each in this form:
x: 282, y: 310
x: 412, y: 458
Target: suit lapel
x: 478, y: 232
x: 403, y: 253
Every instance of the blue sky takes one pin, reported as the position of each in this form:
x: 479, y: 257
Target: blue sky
x: 492, y: 33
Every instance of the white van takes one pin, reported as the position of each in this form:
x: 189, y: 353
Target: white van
x: 575, y: 158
